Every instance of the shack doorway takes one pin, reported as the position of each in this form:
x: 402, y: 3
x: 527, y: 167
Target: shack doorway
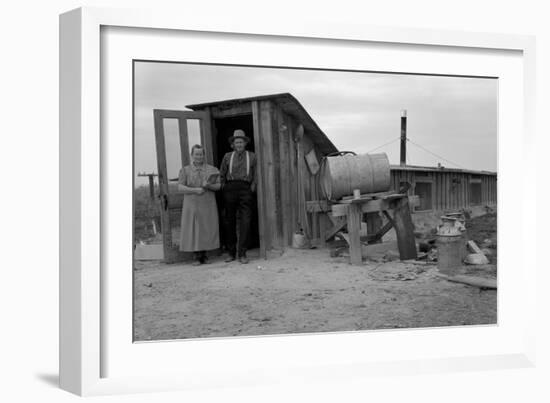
x: 224, y: 128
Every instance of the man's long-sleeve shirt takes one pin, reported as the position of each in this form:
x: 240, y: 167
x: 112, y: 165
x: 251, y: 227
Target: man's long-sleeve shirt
x: 238, y: 171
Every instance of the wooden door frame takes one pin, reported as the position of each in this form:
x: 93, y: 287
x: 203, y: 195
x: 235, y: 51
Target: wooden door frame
x: 172, y: 201
x: 260, y: 186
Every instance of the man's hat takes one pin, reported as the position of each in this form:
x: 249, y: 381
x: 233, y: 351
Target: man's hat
x: 238, y: 134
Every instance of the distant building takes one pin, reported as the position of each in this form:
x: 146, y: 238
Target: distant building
x: 442, y: 189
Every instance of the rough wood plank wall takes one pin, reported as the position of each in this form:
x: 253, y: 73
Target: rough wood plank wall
x: 266, y: 135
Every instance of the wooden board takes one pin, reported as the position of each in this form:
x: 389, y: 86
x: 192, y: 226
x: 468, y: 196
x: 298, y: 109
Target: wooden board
x: 376, y: 195
x: 378, y: 230
x: 220, y: 111
x: 370, y: 206
x: 260, y: 176
x: 354, y: 227
x: 285, y: 183
x: 293, y: 189
x: 266, y: 134
x: 278, y: 235
x: 404, y: 229
x: 335, y: 229
x: 479, y: 282
x: 317, y: 206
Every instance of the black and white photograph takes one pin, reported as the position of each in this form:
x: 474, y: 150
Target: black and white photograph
x: 296, y: 201
x: 273, y: 201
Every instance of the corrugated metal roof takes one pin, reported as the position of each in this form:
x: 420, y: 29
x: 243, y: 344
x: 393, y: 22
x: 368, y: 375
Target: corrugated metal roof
x: 439, y: 169
x: 292, y: 107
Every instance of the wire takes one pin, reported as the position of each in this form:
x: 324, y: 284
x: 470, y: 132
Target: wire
x: 434, y: 154
x: 384, y: 145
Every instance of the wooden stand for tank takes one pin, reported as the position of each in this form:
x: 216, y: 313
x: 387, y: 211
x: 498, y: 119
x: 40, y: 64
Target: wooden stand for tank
x: 352, y: 211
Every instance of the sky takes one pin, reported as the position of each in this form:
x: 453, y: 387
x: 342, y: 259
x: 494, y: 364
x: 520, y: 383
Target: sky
x: 454, y: 118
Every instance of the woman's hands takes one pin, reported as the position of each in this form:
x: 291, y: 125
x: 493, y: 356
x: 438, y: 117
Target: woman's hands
x: 211, y: 186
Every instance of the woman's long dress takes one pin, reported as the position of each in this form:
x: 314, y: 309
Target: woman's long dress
x: 199, y: 214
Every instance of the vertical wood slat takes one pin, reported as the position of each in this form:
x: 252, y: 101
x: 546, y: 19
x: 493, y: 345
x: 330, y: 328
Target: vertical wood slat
x: 437, y: 185
x: 445, y: 191
x: 483, y: 198
x: 354, y: 226
x: 285, y: 181
x: 314, y: 216
x: 266, y: 130
x: 184, y: 141
x: 462, y: 196
x: 457, y: 190
x: 214, y: 133
x: 323, y: 226
x: 449, y: 190
x: 495, y: 189
x: 293, y: 192
x: 487, y: 199
x: 260, y: 176
x: 453, y: 191
x: 463, y: 190
x: 404, y: 229
x: 441, y: 192
x: 275, y: 141
x: 468, y: 189
x: 207, y: 136
x: 304, y: 148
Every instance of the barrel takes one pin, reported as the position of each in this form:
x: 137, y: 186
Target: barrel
x: 340, y: 174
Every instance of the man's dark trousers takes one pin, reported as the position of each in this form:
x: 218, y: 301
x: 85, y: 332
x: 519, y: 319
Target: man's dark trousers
x: 237, y: 197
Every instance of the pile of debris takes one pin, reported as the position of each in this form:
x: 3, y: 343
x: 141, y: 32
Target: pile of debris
x: 402, y: 271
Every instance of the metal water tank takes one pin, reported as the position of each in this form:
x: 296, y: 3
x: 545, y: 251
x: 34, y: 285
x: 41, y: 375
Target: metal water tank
x: 346, y: 171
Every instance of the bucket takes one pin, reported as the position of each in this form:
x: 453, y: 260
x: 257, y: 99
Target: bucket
x: 299, y: 240
x: 342, y: 173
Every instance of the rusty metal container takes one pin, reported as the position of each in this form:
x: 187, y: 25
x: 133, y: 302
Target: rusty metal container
x: 341, y: 174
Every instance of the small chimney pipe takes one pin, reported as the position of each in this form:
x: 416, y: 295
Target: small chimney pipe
x: 403, y: 155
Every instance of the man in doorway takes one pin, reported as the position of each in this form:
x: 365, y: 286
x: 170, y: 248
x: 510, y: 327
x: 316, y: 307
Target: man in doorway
x: 238, y: 179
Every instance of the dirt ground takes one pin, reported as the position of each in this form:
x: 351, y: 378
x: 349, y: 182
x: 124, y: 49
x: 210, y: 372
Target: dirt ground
x: 306, y: 291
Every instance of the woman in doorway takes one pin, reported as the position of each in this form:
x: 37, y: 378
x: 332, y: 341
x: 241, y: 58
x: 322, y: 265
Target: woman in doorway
x: 199, y: 214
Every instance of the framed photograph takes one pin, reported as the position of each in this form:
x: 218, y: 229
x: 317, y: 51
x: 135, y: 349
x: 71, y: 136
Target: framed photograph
x: 252, y: 205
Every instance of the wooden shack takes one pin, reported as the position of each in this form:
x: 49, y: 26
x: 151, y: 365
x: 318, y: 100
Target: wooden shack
x: 289, y: 146
x: 442, y: 189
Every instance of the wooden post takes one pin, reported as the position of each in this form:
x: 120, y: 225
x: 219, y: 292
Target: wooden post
x: 354, y: 226
x: 404, y: 228
x: 151, y: 187
x: 151, y: 183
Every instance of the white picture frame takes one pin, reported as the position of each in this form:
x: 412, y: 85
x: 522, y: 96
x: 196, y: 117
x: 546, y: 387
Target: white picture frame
x: 85, y: 308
